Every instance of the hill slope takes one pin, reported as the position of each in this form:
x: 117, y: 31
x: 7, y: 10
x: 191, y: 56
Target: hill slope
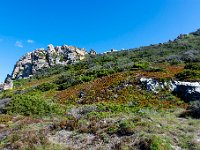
x: 100, y: 103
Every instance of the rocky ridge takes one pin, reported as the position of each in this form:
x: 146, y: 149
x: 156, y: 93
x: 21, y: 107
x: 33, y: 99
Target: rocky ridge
x: 29, y: 64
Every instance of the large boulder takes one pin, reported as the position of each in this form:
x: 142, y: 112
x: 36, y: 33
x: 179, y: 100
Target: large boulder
x: 189, y: 91
x: 3, y: 104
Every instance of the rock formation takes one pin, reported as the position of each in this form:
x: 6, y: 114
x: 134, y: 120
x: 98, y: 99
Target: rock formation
x: 92, y: 52
x: 7, y: 85
x: 187, y: 90
x: 29, y: 64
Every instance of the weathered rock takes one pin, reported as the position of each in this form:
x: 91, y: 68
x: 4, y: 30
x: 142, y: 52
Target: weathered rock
x: 92, y: 52
x: 29, y: 64
x: 3, y: 104
x: 187, y: 90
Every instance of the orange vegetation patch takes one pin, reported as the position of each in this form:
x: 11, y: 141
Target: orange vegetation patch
x: 93, y: 90
x: 111, y: 89
x: 169, y: 72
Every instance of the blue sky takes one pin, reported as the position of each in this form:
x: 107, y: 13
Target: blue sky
x: 99, y: 24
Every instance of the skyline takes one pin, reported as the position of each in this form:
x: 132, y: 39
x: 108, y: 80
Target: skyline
x: 99, y: 25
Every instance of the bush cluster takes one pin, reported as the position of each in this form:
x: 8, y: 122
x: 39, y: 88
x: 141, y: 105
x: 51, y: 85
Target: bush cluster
x: 32, y: 105
x: 45, y: 87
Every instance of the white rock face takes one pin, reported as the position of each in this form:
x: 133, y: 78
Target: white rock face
x: 41, y: 58
x: 187, y: 90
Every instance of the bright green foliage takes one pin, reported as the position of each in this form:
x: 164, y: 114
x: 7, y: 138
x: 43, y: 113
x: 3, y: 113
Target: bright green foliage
x: 32, y: 105
x: 159, y: 144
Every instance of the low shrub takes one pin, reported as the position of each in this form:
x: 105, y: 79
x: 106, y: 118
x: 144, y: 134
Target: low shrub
x: 155, y: 69
x: 32, y: 105
x: 193, y: 110
x: 86, y: 78
x: 6, y: 94
x: 188, y: 74
x: 45, y: 87
x: 158, y: 144
x: 192, y: 66
x: 126, y: 127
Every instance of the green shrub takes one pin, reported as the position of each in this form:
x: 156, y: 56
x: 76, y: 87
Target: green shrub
x: 155, y: 69
x: 70, y: 81
x: 188, y: 74
x: 99, y: 72
x: 140, y: 65
x: 193, y: 110
x: 158, y: 144
x: 86, y: 78
x: 32, y: 105
x: 6, y: 94
x: 193, y: 66
x: 45, y: 87
x: 126, y: 127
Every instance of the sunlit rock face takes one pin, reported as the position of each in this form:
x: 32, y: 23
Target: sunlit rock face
x: 187, y: 90
x: 29, y: 64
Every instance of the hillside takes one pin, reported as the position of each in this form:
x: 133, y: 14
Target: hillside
x: 101, y: 102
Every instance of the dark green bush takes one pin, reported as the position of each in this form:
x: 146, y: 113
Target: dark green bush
x: 192, y: 66
x: 32, y: 105
x: 45, y: 87
x: 155, y: 69
x: 193, y: 110
x: 70, y: 81
x: 126, y: 127
x: 188, y: 74
x: 86, y: 78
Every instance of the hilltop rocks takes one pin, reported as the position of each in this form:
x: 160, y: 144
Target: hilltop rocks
x: 92, y: 52
x: 187, y: 90
x: 29, y: 64
x: 197, y: 32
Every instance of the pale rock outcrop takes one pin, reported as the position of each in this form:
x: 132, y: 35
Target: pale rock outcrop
x: 186, y: 90
x: 29, y: 64
x: 92, y: 52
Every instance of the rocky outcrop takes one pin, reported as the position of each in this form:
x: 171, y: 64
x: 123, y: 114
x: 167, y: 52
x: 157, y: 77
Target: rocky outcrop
x: 92, y: 52
x: 3, y: 104
x: 29, y: 64
x: 7, y: 85
x: 187, y: 90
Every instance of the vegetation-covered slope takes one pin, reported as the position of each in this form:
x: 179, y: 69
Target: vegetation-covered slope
x: 99, y: 103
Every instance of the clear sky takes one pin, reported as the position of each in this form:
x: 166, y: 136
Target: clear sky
x: 99, y: 24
